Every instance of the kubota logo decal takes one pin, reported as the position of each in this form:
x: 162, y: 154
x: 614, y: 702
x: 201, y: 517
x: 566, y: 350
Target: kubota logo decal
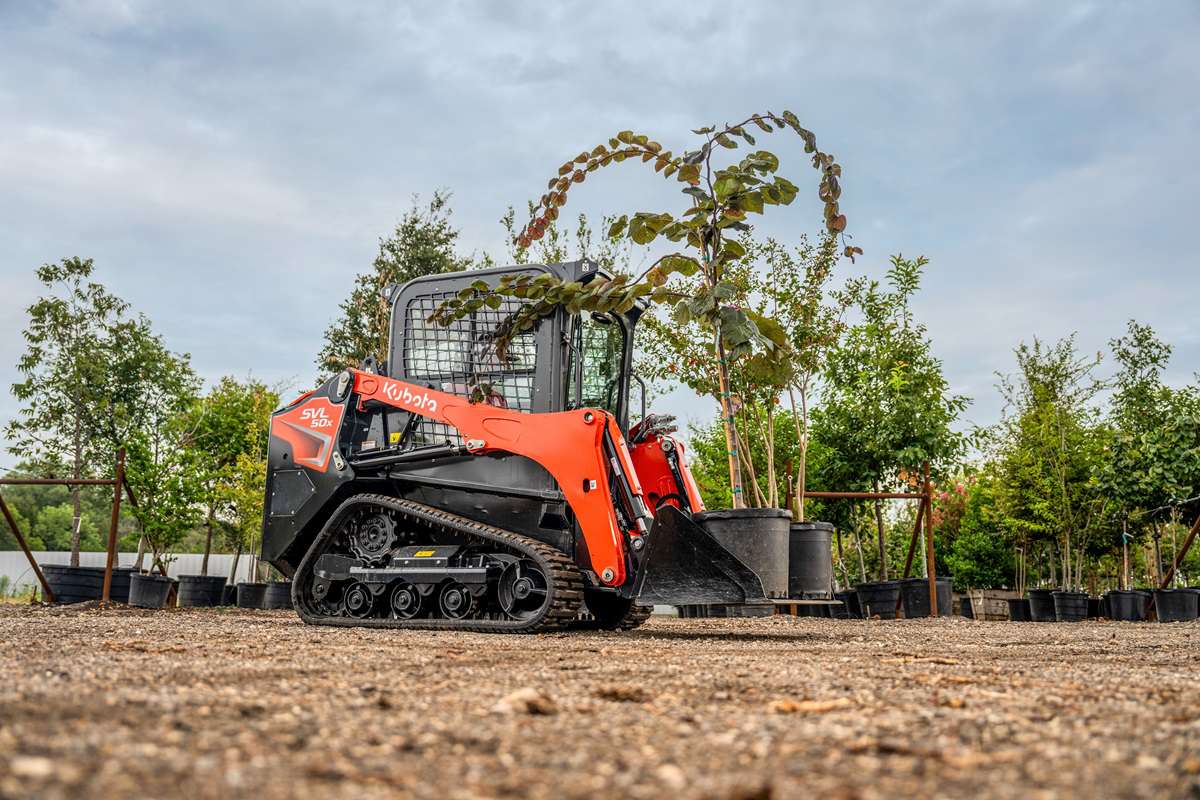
x: 398, y: 393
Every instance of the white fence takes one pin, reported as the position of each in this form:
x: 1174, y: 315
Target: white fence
x: 15, y: 567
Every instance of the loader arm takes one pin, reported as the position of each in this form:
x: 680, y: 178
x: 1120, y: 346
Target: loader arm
x: 581, y: 449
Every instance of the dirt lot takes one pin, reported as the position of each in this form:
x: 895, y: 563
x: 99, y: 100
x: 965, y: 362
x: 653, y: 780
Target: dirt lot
x: 208, y: 704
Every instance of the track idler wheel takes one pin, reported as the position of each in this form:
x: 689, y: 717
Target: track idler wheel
x: 455, y: 601
x: 522, y: 589
x: 358, y: 600
x: 405, y: 600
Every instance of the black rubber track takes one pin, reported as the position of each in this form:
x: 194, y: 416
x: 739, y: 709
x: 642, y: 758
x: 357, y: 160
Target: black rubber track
x: 564, y: 597
x: 613, y: 614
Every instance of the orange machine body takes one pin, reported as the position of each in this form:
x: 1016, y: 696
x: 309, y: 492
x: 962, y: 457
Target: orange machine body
x: 568, y: 444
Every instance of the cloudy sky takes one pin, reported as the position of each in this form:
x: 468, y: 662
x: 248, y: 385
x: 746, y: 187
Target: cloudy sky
x: 230, y: 166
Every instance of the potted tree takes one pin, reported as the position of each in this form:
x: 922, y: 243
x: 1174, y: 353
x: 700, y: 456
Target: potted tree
x: 228, y: 422
x: 720, y: 200
x: 242, y: 496
x: 163, y: 471
x: 886, y: 407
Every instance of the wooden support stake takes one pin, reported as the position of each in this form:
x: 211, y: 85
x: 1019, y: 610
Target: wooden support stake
x: 1182, y: 554
x: 47, y: 592
x: 930, y: 563
x: 110, y: 562
x: 912, y: 543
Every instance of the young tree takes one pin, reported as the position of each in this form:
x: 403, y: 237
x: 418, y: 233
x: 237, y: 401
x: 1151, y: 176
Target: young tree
x: 1152, y: 461
x: 981, y: 554
x: 228, y: 422
x: 692, y: 280
x: 886, y: 406
x: 165, y: 474
x: 423, y: 243
x: 163, y: 468
x: 796, y: 287
x: 242, y: 495
x: 1049, y: 443
x: 66, y: 386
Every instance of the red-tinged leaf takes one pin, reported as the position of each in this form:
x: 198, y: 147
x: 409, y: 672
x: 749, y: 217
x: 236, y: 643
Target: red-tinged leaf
x: 578, y: 176
x: 838, y: 223
x: 565, y: 168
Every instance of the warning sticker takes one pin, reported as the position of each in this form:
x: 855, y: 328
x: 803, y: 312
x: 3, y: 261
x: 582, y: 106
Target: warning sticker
x: 394, y: 437
x: 423, y: 554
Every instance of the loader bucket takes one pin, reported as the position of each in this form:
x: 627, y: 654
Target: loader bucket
x: 684, y: 565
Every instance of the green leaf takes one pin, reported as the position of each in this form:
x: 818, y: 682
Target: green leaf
x: 751, y: 201
x: 725, y: 186
x: 678, y: 263
x: 733, y: 249
x: 724, y: 290
x: 618, y: 227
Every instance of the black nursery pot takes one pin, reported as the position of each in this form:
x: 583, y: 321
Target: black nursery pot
x: 74, y: 584
x: 915, y: 592
x: 118, y: 591
x: 758, y: 537
x: 278, y: 595
x: 879, y: 598
x: 850, y: 607
x: 1095, y: 608
x: 1176, y: 605
x: 1127, y: 605
x: 1041, y: 605
x: 150, y: 591
x: 1018, y: 610
x: 201, y: 590
x: 251, y: 595
x: 229, y: 594
x: 1070, y: 606
x: 810, y: 561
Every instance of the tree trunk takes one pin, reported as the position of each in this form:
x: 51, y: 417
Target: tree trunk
x: 883, y: 565
x: 772, y: 480
x: 76, y: 505
x: 208, y: 533
x: 862, y: 563
x: 727, y: 419
x: 1157, y: 558
x: 801, y: 422
x: 744, y: 454
x: 141, y: 553
x: 237, y: 556
x: 842, y: 559
x: 1067, y: 583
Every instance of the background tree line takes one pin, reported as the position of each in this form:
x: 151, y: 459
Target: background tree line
x: 848, y: 396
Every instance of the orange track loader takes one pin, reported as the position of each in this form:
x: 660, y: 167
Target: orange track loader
x: 447, y: 487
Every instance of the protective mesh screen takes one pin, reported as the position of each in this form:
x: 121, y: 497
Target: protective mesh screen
x: 455, y: 356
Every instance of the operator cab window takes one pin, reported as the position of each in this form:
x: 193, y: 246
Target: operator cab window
x: 597, y: 356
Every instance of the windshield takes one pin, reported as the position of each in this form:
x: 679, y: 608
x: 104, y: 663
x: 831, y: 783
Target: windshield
x: 597, y: 355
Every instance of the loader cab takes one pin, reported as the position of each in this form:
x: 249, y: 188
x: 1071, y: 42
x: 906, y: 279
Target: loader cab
x: 566, y: 362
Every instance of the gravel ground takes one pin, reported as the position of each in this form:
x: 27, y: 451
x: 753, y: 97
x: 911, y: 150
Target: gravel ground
x: 227, y: 703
